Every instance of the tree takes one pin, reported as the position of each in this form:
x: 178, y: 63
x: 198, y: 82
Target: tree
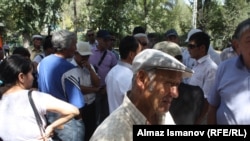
x: 26, y: 17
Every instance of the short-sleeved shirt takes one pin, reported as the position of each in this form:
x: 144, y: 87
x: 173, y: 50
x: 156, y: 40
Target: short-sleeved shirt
x: 231, y: 92
x: 108, y: 62
x: 51, y: 70
x: 17, y: 118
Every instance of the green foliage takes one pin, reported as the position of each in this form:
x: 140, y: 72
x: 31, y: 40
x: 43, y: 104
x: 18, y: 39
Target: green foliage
x: 26, y: 17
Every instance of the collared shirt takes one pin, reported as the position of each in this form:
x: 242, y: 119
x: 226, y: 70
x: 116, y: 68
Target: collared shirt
x: 85, y: 80
x: 108, y: 62
x: 119, y: 124
x: 190, y: 62
x: 227, y: 53
x: 231, y: 92
x: 117, y: 88
x: 34, y: 52
x: 204, y: 74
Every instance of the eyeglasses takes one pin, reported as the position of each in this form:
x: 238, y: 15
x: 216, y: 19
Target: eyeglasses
x: 191, y: 46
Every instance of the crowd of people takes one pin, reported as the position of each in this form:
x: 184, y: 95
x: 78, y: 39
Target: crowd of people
x: 88, y: 90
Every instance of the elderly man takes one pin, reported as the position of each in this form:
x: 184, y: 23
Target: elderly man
x: 186, y: 109
x: 154, y: 85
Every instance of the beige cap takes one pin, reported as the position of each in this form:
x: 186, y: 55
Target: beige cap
x: 170, y: 48
x: 152, y: 58
x: 83, y: 48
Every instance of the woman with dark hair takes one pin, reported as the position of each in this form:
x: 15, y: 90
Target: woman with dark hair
x: 15, y: 108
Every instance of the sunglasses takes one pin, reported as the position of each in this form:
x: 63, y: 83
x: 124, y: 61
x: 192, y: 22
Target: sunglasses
x: 90, y: 35
x: 191, y: 46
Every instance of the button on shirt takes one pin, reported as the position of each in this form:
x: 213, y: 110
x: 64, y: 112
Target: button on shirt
x: 204, y: 74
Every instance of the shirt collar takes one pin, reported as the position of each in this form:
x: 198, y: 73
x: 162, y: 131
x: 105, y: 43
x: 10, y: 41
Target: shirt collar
x: 203, y: 59
x: 125, y: 64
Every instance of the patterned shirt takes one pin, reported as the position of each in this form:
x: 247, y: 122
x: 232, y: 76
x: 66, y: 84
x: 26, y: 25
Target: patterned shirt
x: 119, y: 124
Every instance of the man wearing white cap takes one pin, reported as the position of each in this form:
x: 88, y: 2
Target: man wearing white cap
x: 36, y: 48
x: 154, y: 85
x: 89, y: 84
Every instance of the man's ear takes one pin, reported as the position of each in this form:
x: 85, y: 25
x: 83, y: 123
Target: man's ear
x: 235, y: 45
x: 141, y: 79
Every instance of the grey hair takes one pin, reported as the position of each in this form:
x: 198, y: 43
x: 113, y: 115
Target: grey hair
x: 241, y: 28
x: 62, y: 39
x: 151, y: 75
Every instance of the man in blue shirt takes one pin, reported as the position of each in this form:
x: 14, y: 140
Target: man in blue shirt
x: 229, y: 100
x: 50, y: 80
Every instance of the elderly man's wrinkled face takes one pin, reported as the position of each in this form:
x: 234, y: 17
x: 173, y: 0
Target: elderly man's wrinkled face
x: 162, y: 88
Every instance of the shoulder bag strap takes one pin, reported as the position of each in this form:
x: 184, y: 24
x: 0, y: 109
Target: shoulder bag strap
x: 100, y: 61
x: 38, y: 118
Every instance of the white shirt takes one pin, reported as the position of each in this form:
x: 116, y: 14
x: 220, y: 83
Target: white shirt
x: 204, y: 74
x: 190, y: 62
x: 38, y: 58
x: 85, y: 80
x: 118, y: 82
x: 17, y: 118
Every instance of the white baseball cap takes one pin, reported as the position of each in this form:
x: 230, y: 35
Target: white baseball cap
x: 83, y: 48
x: 153, y: 58
x: 37, y: 36
x: 191, y: 32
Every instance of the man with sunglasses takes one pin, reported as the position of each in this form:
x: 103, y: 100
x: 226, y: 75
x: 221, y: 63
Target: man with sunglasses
x: 204, y: 69
x: 91, y: 38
